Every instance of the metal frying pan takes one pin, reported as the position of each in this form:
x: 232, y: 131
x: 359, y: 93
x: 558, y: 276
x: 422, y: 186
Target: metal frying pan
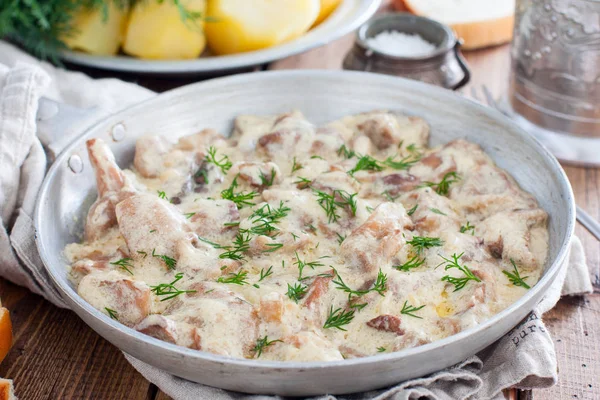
x: 322, y: 96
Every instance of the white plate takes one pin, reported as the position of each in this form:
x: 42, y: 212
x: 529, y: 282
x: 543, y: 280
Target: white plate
x: 349, y: 15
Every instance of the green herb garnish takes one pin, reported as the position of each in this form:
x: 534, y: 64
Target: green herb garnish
x: 442, y: 187
x: 162, y: 195
x: 296, y: 166
x: 458, y: 283
x: 189, y: 215
x: 296, y: 292
x: 261, y: 344
x: 267, y: 181
x: 344, y: 151
x: 407, y: 309
x: 124, y: 263
x: 171, y: 263
x: 264, y: 274
x: 302, y: 264
x: 414, y: 262
x: 169, y: 290
x: 436, y: 211
x: 366, y: 163
x: 240, y: 199
x: 420, y: 243
x: 515, y: 278
x: 240, y: 246
x: 404, y: 163
x: 111, y: 313
x: 234, y: 279
x: 213, y: 244
x: 412, y: 210
x: 468, y: 227
x: 338, y: 318
x: 223, y: 163
x: 381, y: 349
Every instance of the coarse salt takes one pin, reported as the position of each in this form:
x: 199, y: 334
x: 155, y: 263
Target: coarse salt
x: 401, y: 44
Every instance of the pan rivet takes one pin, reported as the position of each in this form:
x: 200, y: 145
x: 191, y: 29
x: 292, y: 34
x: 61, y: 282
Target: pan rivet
x: 75, y: 163
x: 118, y: 132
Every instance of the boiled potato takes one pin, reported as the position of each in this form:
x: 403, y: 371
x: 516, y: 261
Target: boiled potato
x: 157, y: 31
x: 241, y: 25
x: 96, y: 34
x: 327, y: 7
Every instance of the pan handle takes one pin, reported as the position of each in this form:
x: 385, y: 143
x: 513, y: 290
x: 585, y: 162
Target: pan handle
x: 58, y: 124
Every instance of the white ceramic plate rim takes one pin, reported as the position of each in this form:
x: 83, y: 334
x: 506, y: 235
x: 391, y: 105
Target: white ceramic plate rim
x: 349, y: 15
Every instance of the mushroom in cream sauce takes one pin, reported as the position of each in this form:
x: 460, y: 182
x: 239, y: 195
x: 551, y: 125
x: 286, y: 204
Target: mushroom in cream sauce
x: 288, y: 241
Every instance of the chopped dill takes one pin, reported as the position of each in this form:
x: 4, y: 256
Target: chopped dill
x: 189, y: 215
x: 267, y: 181
x: 142, y: 253
x: 302, y: 264
x: 223, y: 163
x: 421, y: 243
x: 461, y: 282
x: 347, y: 153
x: 436, y: 211
x: 111, y: 313
x: 234, y: 279
x: 171, y: 263
x: 381, y: 349
x: 468, y: 227
x: 162, y: 195
x: 261, y: 344
x: 442, y: 187
x: 515, y: 277
x: 303, y: 183
x: 213, y: 244
x: 340, y: 238
x: 414, y: 262
x: 169, y: 290
x: 366, y: 163
x: 412, y: 210
x: 273, y: 247
x: 264, y: 274
x: 338, y: 318
x: 240, y: 199
x: 404, y: 163
x: 296, y: 166
x: 124, y: 263
x: 296, y: 292
x: 407, y: 309
x: 240, y: 246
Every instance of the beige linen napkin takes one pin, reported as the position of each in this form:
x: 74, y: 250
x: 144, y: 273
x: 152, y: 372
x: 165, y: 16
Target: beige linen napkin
x: 523, y: 358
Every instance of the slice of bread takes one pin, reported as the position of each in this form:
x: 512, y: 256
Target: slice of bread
x: 7, y: 391
x: 479, y: 23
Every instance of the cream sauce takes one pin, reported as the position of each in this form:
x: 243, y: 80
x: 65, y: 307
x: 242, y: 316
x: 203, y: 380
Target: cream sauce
x: 167, y: 221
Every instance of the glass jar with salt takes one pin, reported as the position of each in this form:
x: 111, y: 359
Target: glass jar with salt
x: 409, y: 46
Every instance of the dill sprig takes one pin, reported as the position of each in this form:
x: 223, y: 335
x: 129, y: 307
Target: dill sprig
x: 240, y: 199
x: 407, y: 309
x: 234, y: 279
x: 338, y: 318
x: 347, y: 153
x: 414, y: 262
x: 379, y: 286
x: 302, y: 264
x: 412, y: 210
x: 296, y: 292
x: 267, y: 181
x: 389, y: 197
x: 241, y: 244
x: 340, y: 238
x: 359, y: 306
x: 162, y: 194
x: 170, y: 262
x: 124, y: 263
x: 189, y: 215
x: 273, y: 247
x: 442, y: 187
x: 261, y: 344
x: 437, y: 211
x: 111, y: 313
x: 213, y: 244
x: 303, y: 183
x: 224, y: 163
x: 461, y: 282
x: 296, y: 166
x: 264, y: 274
x: 169, y: 289
x: 515, y: 277
x: 366, y: 163
x: 468, y: 227
x: 420, y: 243
x: 264, y: 218
x: 338, y: 199
x: 402, y: 164
x: 381, y: 349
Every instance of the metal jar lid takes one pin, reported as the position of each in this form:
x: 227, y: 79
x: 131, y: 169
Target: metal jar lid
x: 444, y: 67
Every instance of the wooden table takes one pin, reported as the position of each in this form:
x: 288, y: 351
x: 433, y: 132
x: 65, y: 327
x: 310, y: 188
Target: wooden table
x: 56, y: 356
